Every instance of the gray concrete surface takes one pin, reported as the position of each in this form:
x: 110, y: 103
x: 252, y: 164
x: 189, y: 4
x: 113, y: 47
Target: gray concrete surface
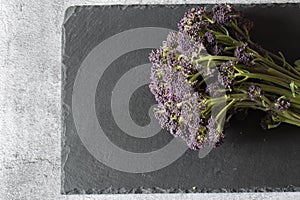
x: 30, y: 113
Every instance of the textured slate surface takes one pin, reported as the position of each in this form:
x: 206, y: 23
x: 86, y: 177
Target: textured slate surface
x: 250, y: 157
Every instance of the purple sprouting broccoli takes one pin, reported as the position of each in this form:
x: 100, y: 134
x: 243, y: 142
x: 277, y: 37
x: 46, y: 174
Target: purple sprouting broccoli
x: 212, y: 59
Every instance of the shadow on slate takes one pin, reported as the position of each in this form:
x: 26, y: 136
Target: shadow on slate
x: 250, y: 160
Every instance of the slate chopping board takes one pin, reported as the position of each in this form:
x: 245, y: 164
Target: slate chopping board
x: 110, y: 141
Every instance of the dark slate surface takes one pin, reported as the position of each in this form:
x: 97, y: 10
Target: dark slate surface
x: 250, y: 158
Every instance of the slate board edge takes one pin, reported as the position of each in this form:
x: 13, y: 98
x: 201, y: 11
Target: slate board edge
x: 144, y: 190
x: 76, y: 8
x: 65, y: 110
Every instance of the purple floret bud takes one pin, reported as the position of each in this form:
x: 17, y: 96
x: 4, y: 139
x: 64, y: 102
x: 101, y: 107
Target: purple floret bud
x: 196, y: 140
x: 192, y: 23
x: 185, y: 43
x: 156, y: 56
x: 172, y: 60
x: 172, y: 40
x: 222, y: 13
x: 226, y: 74
x: 214, y: 135
x: 188, y: 46
x: 254, y: 92
x: 217, y: 50
x: 241, y: 53
x: 192, y: 16
x: 282, y: 104
x: 210, y: 37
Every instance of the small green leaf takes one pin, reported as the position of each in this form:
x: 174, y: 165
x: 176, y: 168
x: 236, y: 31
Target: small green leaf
x: 208, y: 63
x: 283, y: 58
x: 227, y: 33
x: 179, y: 57
x: 270, y: 58
x: 180, y: 120
x: 293, y: 86
x: 297, y: 63
x: 263, y: 103
x: 178, y: 67
x: 270, y: 126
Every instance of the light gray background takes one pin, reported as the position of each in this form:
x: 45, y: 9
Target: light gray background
x: 30, y: 107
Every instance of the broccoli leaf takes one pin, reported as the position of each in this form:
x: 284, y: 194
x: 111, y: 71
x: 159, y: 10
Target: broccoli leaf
x: 297, y: 64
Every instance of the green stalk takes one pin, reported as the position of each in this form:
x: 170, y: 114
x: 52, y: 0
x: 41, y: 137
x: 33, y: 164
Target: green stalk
x: 267, y: 78
x: 277, y: 90
x: 229, y: 40
x: 284, y: 117
x: 224, y: 58
x: 277, y: 67
x: 278, y: 58
x: 220, y: 116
